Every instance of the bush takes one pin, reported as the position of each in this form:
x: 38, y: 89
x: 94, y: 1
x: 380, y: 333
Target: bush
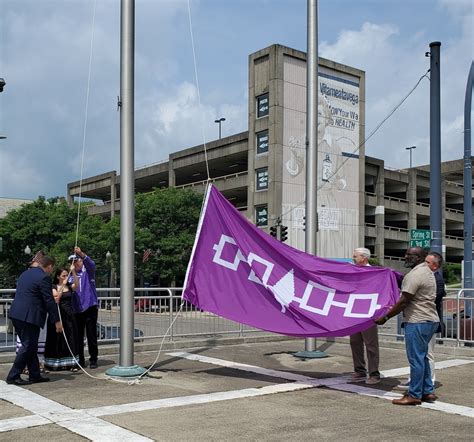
x: 452, y: 273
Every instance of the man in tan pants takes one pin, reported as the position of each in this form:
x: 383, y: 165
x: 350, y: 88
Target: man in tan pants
x: 369, y: 338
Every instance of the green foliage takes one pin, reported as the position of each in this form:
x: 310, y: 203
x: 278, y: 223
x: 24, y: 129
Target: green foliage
x: 374, y: 262
x: 166, y: 221
x: 452, y: 272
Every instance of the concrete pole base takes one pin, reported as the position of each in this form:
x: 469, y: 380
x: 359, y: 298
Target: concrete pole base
x: 125, y: 372
x: 316, y: 354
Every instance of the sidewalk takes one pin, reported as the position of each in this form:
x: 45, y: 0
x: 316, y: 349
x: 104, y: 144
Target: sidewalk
x: 250, y: 391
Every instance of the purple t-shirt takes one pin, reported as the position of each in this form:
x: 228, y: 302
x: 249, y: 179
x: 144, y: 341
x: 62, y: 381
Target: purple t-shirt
x: 86, y: 294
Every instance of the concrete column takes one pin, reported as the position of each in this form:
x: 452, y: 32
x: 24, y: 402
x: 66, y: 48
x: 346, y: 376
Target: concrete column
x: 380, y: 215
x: 113, y: 195
x: 69, y: 197
x: 411, y: 197
x: 171, y: 175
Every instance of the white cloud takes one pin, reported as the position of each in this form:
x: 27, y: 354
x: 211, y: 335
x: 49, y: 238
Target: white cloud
x: 393, y: 64
x: 176, y: 120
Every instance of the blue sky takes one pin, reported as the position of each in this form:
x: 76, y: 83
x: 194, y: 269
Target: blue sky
x: 44, y: 58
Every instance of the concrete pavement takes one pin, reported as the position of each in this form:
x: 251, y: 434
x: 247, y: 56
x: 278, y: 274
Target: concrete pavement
x: 252, y: 391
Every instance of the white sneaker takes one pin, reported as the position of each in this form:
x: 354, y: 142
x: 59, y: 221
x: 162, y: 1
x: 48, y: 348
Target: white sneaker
x: 403, y: 385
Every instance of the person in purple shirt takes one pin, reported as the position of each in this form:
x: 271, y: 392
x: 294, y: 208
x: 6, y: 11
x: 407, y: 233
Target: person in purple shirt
x: 86, y: 305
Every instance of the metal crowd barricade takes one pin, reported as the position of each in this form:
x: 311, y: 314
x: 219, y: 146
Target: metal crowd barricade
x: 161, y: 311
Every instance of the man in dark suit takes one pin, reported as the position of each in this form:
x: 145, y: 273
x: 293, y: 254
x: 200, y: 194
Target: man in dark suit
x: 33, y: 300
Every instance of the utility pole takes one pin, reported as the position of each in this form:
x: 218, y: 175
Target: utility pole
x: 219, y: 122
x: 435, y: 148
x: 468, y: 192
x: 410, y: 150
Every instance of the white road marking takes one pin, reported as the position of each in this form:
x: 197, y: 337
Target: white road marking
x: 46, y: 411
x: 438, y: 366
x: 339, y: 383
x: 86, y: 422
x: 197, y: 399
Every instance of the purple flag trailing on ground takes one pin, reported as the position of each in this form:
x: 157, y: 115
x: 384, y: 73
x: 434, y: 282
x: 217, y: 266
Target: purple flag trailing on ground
x: 241, y: 273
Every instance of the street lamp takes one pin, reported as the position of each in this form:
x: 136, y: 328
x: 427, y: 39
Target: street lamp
x: 2, y: 85
x: 27, y: 250
x: 110, y: 278
x: 410, y: 149
x: 219, y: 122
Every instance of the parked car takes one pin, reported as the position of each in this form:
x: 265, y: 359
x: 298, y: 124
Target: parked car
x: 112, y: 332
x: 450, y: 320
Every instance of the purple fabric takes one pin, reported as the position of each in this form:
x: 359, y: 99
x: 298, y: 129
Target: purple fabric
x: 86, y: 293
x: 241, y: 273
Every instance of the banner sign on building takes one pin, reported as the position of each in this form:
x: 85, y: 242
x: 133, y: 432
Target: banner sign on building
x: 340, y: 113
x: 241, y: 273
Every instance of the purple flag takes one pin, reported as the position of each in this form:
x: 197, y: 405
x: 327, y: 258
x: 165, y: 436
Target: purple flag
x: 241, y: 273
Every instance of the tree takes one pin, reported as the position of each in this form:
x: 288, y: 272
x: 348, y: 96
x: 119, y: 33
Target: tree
x: 48, y: 225
x: 166, y: 223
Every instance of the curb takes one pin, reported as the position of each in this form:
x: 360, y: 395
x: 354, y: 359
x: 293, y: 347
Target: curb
x: 152, y: 345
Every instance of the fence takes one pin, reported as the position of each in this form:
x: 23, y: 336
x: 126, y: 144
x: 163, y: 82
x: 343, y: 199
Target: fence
x: 157, y: 308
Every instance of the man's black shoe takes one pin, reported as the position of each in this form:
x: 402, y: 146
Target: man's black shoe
x: 40, y: 379
x: 18, y: 381
x: 93, y: 364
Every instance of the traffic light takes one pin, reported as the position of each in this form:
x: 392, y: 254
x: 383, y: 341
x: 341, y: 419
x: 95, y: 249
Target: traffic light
x: 283, y: 233
x: 273, y: 231
x: 304, y: 223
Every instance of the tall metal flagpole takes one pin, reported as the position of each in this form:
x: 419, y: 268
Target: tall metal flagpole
x: 126, y: 367
x: 468, y: 245
x: 311, y: 150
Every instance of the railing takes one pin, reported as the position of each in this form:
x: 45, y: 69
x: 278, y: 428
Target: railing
x: 155, y: 311
x: 396, y: 229
x: 212, y: 180
x: 448, y: 209
x: 419, y: 203
x: 454, y: 183
x: 393, y: 198
x: 157, y: 308
x: 457, y: 319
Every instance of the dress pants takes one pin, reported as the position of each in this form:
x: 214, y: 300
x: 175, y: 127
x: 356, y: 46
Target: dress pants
x: 370, y: 338
x: 87, y: 320
x: 27, y: 355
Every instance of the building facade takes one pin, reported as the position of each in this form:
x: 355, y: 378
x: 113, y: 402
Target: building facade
x: 262, y: 171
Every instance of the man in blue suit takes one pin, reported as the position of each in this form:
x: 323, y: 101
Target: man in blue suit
x: 33, y: 300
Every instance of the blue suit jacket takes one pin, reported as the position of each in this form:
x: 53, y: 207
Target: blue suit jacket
x: 34, y: 298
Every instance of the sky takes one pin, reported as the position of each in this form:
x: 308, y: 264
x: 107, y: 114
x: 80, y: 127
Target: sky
x: 45, y: 48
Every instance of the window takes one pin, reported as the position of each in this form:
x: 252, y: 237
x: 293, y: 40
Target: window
x: 262, y: 105
x: 262, y: 142
x: 261, y: 216
x: 261, y: 176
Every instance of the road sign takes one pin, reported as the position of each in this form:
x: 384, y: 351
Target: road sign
x: 423, y: 243
x: 419, y: 234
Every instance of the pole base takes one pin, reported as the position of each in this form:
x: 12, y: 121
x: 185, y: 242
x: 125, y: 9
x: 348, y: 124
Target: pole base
x: 125, y: 372
x: 316, y: 354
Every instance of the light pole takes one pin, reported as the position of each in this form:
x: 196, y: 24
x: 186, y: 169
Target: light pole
x: 2, y: 85
x: 27, y: 250
x: 219, y: 122
x: 110, y: 277
x: 410, y: 149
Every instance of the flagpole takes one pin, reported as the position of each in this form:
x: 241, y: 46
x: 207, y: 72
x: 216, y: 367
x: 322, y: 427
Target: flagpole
x: 126, y: 367
x: 311, y: 151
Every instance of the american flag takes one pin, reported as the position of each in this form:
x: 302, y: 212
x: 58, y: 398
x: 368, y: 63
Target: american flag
x: 38, y: 255
x: 146, y: 255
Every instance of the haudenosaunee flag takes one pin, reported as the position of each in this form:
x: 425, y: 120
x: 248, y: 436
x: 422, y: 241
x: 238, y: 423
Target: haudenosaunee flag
x: 241, y: 273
